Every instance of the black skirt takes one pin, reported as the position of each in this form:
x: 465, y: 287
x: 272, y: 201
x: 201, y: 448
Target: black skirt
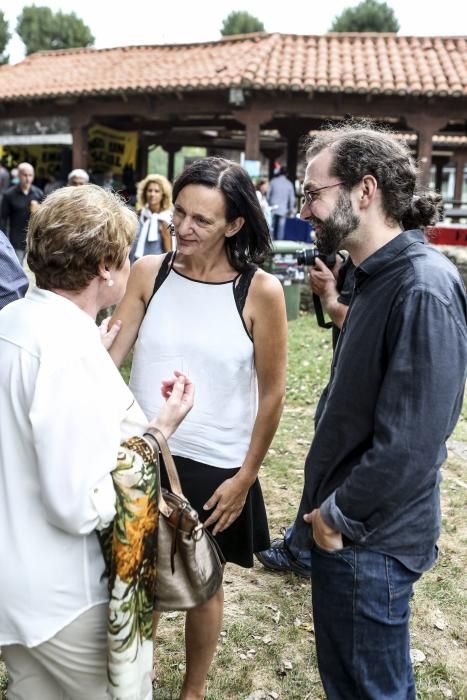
x: 248, y: 533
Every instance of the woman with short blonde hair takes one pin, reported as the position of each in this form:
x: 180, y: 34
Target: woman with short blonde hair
x: 66, y: 416
x: 73, y: 231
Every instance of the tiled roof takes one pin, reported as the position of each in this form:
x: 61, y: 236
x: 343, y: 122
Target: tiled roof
x: 351, y: 63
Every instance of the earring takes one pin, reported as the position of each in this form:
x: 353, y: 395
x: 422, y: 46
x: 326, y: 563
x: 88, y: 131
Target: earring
x: 110, y: 282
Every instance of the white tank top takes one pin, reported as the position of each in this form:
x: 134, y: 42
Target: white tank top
x: 197, y: 328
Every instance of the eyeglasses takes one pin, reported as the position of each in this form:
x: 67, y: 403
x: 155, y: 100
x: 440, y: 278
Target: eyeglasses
x: 309, y: 195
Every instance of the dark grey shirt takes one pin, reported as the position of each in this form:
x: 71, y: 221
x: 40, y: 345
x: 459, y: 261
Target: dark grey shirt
x: 394, y: 397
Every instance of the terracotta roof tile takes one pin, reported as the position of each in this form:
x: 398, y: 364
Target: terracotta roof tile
x: 352, y: 63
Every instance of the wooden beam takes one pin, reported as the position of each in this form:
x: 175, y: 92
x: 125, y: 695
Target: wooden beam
x: 460, y: 159
x: 252, y: 119
x: 79, y: 133
x: 215, y: 103
x: 425, y: 126
x: 171, y: 150
x: 439, y: 162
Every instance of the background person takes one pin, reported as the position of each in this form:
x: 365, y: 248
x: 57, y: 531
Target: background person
x: 154, y: 204
x: 281, y: 198
x: 18, y: 203
x: 77, y: 177
x: 371, y: 493
x: 210, y: 308
x: 64, y: 411
x: 261, y: 193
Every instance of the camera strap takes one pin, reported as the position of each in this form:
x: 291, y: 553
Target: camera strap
x: 319, y: 313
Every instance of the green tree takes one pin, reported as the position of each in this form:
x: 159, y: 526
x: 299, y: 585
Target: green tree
x: 368, y: 16
x: 44, y: 30
x: 241, y: 23
x: 4, y: 37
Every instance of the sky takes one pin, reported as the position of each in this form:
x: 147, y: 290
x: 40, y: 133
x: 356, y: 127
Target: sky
x: 133, y: 22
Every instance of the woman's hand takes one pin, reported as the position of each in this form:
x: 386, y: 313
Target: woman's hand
x: 108, y: 337
x: 228, y: 501
x: 179, y: 394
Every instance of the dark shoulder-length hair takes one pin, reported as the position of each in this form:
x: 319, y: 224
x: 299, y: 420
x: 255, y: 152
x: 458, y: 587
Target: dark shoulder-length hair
x: 252, y: 244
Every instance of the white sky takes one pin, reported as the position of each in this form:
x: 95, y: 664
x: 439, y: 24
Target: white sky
x: 129, y: 22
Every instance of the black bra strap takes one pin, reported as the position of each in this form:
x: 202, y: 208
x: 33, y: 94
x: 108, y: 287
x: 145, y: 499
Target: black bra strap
x: 163, y: 272
x: 241, y: 287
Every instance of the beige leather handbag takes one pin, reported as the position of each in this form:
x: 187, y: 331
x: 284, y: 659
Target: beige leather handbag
x: 189, y: 563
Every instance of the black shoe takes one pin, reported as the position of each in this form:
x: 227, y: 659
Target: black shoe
x: 279, y: 558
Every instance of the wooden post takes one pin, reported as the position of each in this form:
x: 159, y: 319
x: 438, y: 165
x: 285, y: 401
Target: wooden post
x: 79, y: 132
x: 142, y: 159
x: 252, y: 120
x: 292, y: 155
x: 425, y: 126
x: 272, y: 154
x: 171, y: 150
x: 439, y: 162
x: 293, y: 132
x: 460, y: 160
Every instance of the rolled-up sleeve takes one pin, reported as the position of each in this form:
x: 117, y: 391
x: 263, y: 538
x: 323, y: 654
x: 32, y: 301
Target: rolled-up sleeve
x: 417, y: 409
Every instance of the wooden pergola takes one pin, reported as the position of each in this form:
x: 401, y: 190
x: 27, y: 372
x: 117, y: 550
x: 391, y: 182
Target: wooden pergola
x: 259, y: 93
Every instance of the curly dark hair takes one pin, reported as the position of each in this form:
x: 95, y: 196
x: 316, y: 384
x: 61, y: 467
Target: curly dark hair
x: 252, y: 244
x: 361, y: 149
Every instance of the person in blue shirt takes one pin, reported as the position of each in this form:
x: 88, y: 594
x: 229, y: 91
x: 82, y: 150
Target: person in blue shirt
x: 289, y: 553
x: 371, y: 502
x: 13, y: 280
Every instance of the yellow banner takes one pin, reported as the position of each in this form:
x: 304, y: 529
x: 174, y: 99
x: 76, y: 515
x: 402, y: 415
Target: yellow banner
x: 109, y: 149
x: 47, y: 160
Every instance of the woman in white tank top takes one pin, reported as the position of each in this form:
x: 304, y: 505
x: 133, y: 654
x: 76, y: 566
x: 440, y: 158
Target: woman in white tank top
x: 207, y: 311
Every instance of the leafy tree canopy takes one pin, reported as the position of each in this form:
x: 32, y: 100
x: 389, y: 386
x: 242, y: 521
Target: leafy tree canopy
x: 241, y: 23
x: 368, y: 16
x: 44, y: 30
x: 4, y: 37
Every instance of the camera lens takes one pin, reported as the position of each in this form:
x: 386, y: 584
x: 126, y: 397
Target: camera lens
x: 306, y: 256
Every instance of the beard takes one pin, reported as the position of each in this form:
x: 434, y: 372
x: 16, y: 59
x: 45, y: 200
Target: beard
x: 332, y: 232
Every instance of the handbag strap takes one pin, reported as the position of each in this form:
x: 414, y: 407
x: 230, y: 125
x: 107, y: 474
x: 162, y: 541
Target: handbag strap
x: 170, y: 467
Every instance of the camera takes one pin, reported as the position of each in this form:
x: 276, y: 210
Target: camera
x: 307, y: 257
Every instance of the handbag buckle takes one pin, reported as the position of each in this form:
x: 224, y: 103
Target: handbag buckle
x: 197, y: 532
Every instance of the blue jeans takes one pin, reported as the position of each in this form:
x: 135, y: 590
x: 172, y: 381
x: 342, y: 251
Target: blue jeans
x: 278, y: 227
x: 361, y: 616
x: 300, y: 550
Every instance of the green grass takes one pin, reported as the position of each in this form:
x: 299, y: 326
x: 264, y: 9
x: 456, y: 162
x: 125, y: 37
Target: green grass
x: 255, y: 641
x: 267, y: 624
x: 309, y: 361
x: 460, y: 431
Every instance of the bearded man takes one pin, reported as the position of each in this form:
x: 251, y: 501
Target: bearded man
x: 371, y: 492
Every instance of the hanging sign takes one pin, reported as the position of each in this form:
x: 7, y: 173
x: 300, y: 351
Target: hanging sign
x: 110, y: 149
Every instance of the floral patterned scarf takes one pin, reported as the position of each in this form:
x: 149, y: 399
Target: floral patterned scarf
x: 129, y: 548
